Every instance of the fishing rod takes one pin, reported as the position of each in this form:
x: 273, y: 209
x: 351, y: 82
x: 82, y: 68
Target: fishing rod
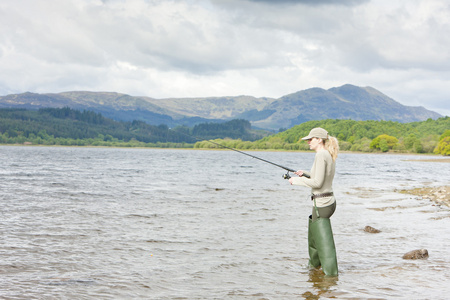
x: 285, y: 176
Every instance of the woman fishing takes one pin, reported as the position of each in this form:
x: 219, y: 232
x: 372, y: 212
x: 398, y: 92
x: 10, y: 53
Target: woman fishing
x: 322, y: 251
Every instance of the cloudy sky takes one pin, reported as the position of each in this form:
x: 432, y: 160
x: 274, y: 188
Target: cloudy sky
x: 200, y: 48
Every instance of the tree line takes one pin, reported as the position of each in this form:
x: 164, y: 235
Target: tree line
x: 66, y: 126
x: 430, y: 136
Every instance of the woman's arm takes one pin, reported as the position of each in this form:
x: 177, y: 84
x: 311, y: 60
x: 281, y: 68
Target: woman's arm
x: 317, y: 174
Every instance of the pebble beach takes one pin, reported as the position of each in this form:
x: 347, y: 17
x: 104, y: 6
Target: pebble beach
x: 438, y: 195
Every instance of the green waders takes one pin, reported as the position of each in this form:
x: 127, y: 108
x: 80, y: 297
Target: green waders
x: 322, y: 251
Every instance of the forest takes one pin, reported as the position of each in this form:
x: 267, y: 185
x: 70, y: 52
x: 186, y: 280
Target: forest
x: 430, y: 136
x: 70, y: 127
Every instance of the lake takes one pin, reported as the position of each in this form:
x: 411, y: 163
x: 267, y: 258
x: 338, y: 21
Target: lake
x: 107, y: 223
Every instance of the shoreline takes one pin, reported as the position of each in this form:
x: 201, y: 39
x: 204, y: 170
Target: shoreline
x: 445, y: 159
x: 433, y: 157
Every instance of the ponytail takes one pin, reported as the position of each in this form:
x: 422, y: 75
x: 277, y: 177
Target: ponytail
x: 332, y: 145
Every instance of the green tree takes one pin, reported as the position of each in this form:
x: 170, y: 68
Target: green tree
x: 409, y: 141
x: 383, y: 142
x: 443, y: 147
x: 418, y: 147
x: 383, y: 145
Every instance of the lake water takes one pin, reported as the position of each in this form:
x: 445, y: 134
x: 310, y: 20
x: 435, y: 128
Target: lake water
x: 103, y: 223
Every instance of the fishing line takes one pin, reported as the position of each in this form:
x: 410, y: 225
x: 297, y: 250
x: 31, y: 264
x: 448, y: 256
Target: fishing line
x: 285, y: 176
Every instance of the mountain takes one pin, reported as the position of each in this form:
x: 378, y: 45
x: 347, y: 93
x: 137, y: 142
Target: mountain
x: 345, y: 102
x: 116, y: 106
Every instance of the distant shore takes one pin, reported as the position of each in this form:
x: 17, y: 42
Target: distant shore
x: 433, y: 157
x: 444, y: 160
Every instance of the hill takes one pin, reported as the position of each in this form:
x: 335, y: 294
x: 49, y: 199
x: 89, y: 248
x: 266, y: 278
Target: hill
x: 345, y: 102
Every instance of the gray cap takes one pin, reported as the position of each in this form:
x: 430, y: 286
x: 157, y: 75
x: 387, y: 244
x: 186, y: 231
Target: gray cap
x: 317, y: 133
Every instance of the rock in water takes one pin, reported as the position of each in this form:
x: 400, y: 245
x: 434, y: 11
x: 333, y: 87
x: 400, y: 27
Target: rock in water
x: 416, y: 254
x: 371, y: 229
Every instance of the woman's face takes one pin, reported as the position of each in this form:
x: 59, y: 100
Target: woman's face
x: 314, y: 143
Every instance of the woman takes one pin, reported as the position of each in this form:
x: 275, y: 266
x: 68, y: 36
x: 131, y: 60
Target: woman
x: 322, y: 250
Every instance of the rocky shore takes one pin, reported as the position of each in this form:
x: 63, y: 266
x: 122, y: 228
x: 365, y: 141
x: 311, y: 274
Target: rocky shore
x: 438, y: 195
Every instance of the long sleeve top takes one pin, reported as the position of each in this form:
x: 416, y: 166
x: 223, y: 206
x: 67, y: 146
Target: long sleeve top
x: 322, y: 175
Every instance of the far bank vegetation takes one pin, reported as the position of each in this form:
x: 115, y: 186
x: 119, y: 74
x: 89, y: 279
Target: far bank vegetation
x: 430, y: 136
x: 69, y: 127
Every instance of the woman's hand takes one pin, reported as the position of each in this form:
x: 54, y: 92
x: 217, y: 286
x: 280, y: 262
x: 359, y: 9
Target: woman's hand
x: 299, y: 173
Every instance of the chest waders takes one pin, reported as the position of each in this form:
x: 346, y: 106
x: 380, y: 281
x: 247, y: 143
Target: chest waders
x: 322, y: 251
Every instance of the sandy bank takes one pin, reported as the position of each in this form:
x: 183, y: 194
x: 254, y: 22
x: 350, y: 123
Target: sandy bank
x: 444, y: 160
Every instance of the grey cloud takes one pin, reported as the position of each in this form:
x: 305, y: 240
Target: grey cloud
x: 312, y: 2
x: 278, y: 46
x: 180, y: 42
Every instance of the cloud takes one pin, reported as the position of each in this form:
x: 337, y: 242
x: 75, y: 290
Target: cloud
x: 213, y: 48
x: 304, y: 2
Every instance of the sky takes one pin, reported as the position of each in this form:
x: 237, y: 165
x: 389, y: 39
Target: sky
x: 206, y: 48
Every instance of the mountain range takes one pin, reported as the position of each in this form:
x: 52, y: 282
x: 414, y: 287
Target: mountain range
x: 344, y: 102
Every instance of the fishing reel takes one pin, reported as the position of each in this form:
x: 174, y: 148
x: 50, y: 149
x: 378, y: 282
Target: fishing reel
x: 287, y: 176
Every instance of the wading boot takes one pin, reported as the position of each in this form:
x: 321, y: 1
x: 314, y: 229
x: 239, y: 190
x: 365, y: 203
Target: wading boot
x: 323, y: 240
x: 313, y: 254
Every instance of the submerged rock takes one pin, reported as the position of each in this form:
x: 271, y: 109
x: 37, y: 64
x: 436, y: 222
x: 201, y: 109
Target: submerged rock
x: 416, y: 254
x: 371, y: 229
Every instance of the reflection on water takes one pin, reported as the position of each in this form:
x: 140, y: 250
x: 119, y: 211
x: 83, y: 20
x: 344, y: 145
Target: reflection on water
x: 100, y: 223
x: 323, y: 286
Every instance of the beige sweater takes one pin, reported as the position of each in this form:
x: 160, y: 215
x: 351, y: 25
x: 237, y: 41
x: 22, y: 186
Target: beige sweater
x: 321, y: 181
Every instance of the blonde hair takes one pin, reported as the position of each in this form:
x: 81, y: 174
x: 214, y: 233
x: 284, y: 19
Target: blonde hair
x: 332, y: 145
